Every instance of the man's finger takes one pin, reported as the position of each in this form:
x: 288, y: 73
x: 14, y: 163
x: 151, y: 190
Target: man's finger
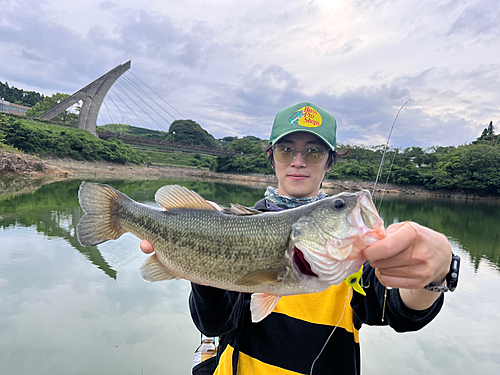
x: 394, y: 227
x: 146, y: 247
x: 401, y: 239
x: 399, y: 282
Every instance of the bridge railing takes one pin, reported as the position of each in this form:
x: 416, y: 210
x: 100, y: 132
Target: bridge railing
x: 165, y: 145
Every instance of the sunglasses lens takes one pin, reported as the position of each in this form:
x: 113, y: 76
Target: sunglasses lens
x: 314, y: 155
x: 311, y: 155
x: 284, y: 153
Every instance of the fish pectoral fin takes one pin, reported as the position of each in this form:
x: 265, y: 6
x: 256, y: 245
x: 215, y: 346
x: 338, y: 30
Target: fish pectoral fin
x: 153, y: 270
x: 261, y: 277
x: 238, y: 209
x: 175, y: 196
x: 262, y: 304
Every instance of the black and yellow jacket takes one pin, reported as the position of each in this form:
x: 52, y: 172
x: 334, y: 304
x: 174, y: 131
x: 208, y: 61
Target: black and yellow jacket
x: 291, y: 337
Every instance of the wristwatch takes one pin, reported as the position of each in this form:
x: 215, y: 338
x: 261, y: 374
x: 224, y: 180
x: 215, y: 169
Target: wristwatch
x: 451, y: 278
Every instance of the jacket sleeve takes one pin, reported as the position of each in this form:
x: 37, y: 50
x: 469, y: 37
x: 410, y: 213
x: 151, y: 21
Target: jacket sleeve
x: 368, y: 309
x: 214, y: 311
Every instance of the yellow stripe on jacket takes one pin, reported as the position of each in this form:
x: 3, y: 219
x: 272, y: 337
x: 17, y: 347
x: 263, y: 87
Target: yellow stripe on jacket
x: 303, y: 307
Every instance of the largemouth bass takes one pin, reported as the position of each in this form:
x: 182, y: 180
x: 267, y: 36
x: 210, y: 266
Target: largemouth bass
x: 301, y: 250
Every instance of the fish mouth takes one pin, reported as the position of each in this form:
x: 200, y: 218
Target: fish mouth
x: 301, y: 263
x: 367, y: 220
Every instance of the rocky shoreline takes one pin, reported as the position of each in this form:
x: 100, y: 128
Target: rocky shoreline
x: 15, y: 165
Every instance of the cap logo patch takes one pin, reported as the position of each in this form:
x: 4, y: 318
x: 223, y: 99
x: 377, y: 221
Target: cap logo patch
x: 306, y: 116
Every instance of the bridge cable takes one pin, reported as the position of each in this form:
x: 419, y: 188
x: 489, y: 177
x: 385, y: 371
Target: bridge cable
x: 138, y: 106
x: 158, y: 95
x: 112, y: 117
x: 118, y: 108
x: 131, y: 110
x: 149, y: 97
x: 138, y: 96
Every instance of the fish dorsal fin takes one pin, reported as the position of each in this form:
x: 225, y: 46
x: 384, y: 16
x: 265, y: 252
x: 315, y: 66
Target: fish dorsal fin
x: 153, y: 270
x: 262, y: 304
x: 261, y: 277
x: 238, y: 209
x: 175, y: 196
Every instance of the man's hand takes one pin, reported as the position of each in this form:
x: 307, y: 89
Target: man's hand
x: 410, y: 257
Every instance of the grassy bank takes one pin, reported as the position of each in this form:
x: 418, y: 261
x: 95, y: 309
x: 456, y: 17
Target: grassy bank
x: 38, y: 138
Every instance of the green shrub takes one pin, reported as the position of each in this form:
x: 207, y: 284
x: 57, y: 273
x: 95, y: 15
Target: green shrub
x: 48, y: 139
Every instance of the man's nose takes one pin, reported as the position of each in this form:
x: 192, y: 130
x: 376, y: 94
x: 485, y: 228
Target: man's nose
x: 298, y: 160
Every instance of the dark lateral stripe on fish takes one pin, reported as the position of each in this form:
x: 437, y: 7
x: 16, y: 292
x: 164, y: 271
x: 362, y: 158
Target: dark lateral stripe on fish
x: 99, y: 202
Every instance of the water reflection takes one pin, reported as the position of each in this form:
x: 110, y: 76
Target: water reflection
x: 471, y: 223
x: 60, y: 313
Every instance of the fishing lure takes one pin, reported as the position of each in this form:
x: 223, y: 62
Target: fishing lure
x: 355, y: 281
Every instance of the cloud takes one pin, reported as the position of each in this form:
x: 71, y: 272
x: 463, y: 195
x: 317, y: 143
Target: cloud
x: 231, y: 66
x: 478, y: 20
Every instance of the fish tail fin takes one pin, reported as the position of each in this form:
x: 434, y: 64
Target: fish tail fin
x: 100, y: 203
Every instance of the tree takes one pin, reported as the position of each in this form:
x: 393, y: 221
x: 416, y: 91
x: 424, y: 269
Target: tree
x: 487, y: 133
x: 473, y: 168
x: 247, y: 145
x: 66, y: 117
x: 191, y: 133
x: 490, y: 129
x: 19, y: 96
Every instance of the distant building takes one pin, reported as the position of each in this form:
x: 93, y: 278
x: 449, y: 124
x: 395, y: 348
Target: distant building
x: 15, y: 109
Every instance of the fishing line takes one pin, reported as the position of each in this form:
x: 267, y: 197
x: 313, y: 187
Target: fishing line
x: 331, y: 334
x: 375, y: 185
x: 385, y: 149
x: 387, y: 181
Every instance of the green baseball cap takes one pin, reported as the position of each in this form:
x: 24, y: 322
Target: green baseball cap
x: 305, y: 117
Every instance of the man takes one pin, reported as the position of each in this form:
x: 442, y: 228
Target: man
x: 291, y: 339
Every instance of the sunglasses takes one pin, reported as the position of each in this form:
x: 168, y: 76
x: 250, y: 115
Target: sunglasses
x: 311, y: 155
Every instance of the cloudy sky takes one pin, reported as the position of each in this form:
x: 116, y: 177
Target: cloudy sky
x: 231, y: 65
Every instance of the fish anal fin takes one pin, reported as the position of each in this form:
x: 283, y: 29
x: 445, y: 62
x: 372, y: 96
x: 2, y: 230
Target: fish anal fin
x: 262, y: 304
x: 238, y: 209
x: 261, y: 277
x: 176, y: 196
x: 153, y: 270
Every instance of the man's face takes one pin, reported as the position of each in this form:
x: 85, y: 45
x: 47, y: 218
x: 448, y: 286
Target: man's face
x: 298, y: 179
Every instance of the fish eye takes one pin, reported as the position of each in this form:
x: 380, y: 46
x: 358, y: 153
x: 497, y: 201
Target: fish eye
x: 338, y: 204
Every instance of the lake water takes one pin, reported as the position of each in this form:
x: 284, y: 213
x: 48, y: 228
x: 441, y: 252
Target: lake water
x: 66, y: 309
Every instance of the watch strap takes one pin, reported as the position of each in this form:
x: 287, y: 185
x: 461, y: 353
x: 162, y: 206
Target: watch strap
x: 451, y: 278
